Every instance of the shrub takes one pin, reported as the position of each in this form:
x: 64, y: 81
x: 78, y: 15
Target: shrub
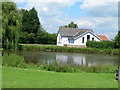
x: 13, y: 60
x: 102, y: 44
x: 79, y: 68
x: 58, y: 68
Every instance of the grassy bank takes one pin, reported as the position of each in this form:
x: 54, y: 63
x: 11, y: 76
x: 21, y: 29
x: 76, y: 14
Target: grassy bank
x: 54, y: 48
x: 33, y: 78
x: 14, y: 60
x: 71, y: 69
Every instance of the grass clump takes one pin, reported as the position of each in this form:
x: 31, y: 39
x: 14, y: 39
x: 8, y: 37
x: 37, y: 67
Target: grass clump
x: 99, y: 69
x: 13, y: 60
x: 58, y: 68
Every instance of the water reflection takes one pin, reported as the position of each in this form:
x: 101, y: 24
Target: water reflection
x: 68, y: 58
x: 75, y: 59
x: 85, y: 59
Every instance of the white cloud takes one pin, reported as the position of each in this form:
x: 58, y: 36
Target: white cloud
x: 100, y: 25
x: 102, y: 16
x: 84, y: 22
x: 100, y: 9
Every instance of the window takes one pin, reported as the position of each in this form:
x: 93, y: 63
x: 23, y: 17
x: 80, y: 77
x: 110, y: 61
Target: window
x: 83, y: 39
x: 88, y: 37
x: 93, y: 39
x: 71, y: 41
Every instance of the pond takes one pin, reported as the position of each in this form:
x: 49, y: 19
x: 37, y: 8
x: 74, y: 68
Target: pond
x: 68, y: 58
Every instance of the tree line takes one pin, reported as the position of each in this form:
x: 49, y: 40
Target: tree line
x: 22, y: 26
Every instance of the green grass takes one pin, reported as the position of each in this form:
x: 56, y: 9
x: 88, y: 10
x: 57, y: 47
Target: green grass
x: 33, y: 78
x: 55, y: 48
x: 13, y: 60
x: 67, y: 68
x: 1, y: 49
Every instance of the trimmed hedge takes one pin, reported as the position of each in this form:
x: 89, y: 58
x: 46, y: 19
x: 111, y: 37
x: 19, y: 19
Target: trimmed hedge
x: 102, y: 44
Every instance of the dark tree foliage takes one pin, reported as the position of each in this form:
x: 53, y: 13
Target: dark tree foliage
x: 117, y: 40
x: 44, y: 37
x: 32, y: 31
x: 30, y: 21
x: 11, y: 25
x: 30, y: 26
x: 71, y: 25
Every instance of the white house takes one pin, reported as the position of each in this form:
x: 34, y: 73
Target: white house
x: 75, y: 37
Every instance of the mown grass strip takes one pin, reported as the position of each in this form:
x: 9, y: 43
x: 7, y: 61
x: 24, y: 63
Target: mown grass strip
x: 33, y: 78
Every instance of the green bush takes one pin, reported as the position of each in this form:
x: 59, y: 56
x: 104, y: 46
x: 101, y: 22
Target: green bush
x: 102, y: 44
x: 13, y: 60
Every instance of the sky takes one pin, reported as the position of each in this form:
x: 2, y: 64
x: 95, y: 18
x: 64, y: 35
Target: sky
x: 99, y: 15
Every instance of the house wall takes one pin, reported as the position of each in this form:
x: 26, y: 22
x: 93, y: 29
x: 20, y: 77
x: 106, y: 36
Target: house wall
x: 78, y: 40
x: 59, y: 41
x: 63, y: 40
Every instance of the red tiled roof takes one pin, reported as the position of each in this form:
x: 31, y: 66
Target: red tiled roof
x: 104, y: 38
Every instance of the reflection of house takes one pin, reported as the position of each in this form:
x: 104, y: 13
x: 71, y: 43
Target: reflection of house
x: 79, y: 59
x: 61, y: 58
x: 72, y: 60
x: 75, y: 37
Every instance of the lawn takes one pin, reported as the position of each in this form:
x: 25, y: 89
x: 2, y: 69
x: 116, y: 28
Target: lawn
x: 33, y: 78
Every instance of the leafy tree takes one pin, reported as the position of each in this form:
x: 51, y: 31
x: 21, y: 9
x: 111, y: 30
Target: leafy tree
x: 30, y: 26
x: 30, y: 21
x: 11, y: 25
x: 44, y: 37
x: 71, y: 25
x: 117, y: 40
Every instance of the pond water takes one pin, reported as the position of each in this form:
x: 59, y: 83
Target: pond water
x: 68, y: 58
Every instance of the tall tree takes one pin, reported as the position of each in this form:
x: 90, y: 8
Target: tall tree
x: 30, y: 21
x: 30, y: 26
x: 71, y: 25
x: 11, y: 25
